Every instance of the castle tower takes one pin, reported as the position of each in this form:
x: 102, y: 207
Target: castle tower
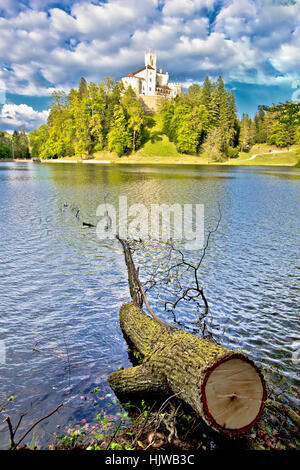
x: 150, y: 59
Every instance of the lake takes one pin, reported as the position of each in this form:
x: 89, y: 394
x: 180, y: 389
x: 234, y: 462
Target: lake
x: 62, y: 287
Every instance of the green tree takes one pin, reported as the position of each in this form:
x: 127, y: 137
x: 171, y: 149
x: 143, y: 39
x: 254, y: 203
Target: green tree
x: 20, y: 145
x: 38, y: 138
x: 278, y: 135
x: 167, y: 113
x: 81, y: 113
x: 214, y: 106
x: 259, y: 128
x: 245, y: 137
x: 59, y: 139
x: 114, y: 95
x: 119, y: 139
x: 226, y: 116
x: 187, y: 138
x: 213, y: 145
x: 181, y: 111
x: 5, y: 145
x: 206, y: 93
x: 193, y: 95
x: 188, y: 119
x: 280, y: 123
x: 297, y: 141
x: 135, y: 117
x: 83, y: 87
x: 97, y: 103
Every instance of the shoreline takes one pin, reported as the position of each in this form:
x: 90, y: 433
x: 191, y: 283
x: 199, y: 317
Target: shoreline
x: 180, y: 163
x: 156, y: 161
x: 11, y: 160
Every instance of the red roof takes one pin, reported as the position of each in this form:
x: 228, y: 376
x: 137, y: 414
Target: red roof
x: 133, y: 76
x: 143, y: 68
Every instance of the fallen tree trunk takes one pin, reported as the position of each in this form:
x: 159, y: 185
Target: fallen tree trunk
x: 225, y: 388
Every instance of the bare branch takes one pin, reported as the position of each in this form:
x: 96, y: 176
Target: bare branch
x: 137, y: 291
x: 13, y: 444
x: 11, y: 432
x: 19, y: 422
x: 177, y: 267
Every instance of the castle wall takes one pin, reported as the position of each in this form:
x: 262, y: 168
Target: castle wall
x: 151, y: 104
x: 162, y: 78
x: 133, y: 82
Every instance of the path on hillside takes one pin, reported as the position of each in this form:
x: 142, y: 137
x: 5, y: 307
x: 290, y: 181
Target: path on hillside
x: 265, y: 153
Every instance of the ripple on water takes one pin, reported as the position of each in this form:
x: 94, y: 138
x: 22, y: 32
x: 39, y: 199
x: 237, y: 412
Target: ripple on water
x: 61, y: 287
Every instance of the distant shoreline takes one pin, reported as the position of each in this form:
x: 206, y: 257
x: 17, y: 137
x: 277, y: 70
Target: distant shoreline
x: 285, y: 158
x: 161, y: 163
x: 154, y: 163
x: 11, y: 160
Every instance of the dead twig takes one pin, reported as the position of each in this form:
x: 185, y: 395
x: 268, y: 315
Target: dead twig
x: 177, y: 267
x: 159, y: 416
x: 46, y: 353
x: 284, y: 410
x: 12, y: 432
x: 118, y: 427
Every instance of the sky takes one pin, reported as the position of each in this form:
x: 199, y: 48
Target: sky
x: 47, y: 45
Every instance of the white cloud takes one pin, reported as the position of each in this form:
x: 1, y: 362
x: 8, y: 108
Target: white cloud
x: 286, y: 59
x: 268, y: 23
x: 13, y: 116
x: 185, y: 8
x: 89, y: 21
x: 9, y: 7
x: 252, y: 41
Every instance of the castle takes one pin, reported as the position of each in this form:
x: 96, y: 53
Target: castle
x: 152, y: 85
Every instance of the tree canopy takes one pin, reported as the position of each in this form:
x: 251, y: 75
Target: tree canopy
x: 15, y: 145
x: 94, y: 117
x: 202, y: 115
x: 276, y: 125
x: 105, y: 116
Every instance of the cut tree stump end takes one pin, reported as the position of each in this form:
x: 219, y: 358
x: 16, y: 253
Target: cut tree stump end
x: 234, y: 393
x: 224, y: 387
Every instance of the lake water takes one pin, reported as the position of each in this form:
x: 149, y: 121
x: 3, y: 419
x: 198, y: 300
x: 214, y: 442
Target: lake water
x: 62, y: 288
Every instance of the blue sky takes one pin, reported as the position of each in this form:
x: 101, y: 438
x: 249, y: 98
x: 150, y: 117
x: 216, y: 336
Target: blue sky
x: 46, y: 45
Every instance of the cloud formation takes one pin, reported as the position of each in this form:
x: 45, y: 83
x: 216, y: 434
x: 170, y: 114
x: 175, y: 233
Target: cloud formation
x: 46, y: 44
x: 14, y: 116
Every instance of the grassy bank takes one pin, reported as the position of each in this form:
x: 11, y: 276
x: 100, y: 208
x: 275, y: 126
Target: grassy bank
x: 142, y: 157
x: 157, y: 149
x: 264, y: 154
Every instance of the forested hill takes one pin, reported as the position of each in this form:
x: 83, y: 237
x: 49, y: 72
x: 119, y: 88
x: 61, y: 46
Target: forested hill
x: 104, y: 117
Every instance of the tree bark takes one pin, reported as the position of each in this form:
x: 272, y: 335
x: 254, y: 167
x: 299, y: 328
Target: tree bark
x: 225, y: 388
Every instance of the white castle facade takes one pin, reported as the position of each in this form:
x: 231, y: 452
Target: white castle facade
x: 149, y: 81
